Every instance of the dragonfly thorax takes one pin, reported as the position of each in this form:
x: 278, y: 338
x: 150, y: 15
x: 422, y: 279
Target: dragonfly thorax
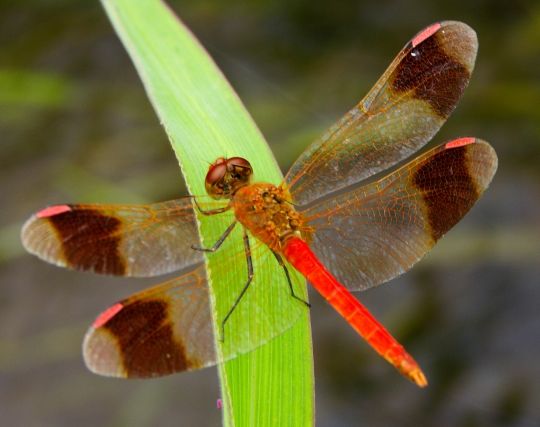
x: 267, y: 212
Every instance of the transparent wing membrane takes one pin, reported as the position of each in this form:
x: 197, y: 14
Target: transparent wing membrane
x: 373, y: 233
x: 402, y: 112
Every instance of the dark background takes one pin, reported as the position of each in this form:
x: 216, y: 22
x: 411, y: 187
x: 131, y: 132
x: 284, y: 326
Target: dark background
x: 75, y: 125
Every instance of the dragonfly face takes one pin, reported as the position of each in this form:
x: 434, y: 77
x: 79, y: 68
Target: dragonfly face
x: 226, y: 176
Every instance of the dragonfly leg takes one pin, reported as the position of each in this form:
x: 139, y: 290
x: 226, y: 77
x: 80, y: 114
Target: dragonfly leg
x: 219, y: 242
x: 244, y: 289
x: 210, y: 211
x: 289, y: 281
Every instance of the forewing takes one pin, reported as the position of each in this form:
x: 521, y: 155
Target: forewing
x: 156, y: 332
x: 372, y: 234
x: 124, y: 240
x: 402, y: 112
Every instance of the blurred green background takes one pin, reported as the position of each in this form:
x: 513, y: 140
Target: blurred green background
x: 75, y: 125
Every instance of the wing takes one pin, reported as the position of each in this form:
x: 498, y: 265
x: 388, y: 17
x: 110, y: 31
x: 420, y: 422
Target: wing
x: 156, y: 332
x: 169, y: 328
x: 402, y: 112
x: 372, y: 234
x: 124, y: 240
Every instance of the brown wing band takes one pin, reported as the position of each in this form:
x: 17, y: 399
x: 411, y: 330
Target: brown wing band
x: 445, y: 208
x: 144, y: 336
x: 76, y: 225
x: 440, y: 81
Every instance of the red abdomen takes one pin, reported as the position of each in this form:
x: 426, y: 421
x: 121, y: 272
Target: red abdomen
x: 302, y: 258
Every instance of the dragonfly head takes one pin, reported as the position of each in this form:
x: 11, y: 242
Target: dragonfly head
x: 226, y: 176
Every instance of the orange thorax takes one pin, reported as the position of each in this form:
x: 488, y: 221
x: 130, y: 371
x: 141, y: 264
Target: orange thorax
x: 267, y: 212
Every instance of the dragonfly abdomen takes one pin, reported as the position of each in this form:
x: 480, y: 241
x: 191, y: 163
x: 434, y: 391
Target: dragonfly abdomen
x: 304, y: 260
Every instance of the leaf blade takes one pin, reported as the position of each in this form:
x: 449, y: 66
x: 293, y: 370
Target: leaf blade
x: 205, y: 119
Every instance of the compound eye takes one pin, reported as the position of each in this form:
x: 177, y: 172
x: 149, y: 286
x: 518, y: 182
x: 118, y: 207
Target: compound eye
x: 238, y: 162
x: 239, y: 168
x: 214, y: 178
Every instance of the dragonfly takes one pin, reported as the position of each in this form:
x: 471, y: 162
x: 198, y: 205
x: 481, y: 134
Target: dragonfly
x: 333, y: 219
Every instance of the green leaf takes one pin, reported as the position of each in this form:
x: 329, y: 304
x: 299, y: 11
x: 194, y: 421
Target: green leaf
x: 204, y: 119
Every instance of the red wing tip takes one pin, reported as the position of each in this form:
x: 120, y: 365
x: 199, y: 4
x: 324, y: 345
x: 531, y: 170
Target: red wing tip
x: 53, y: 210
x: 460, y: 142
x: 106, y: 315
x: 425, y: 33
